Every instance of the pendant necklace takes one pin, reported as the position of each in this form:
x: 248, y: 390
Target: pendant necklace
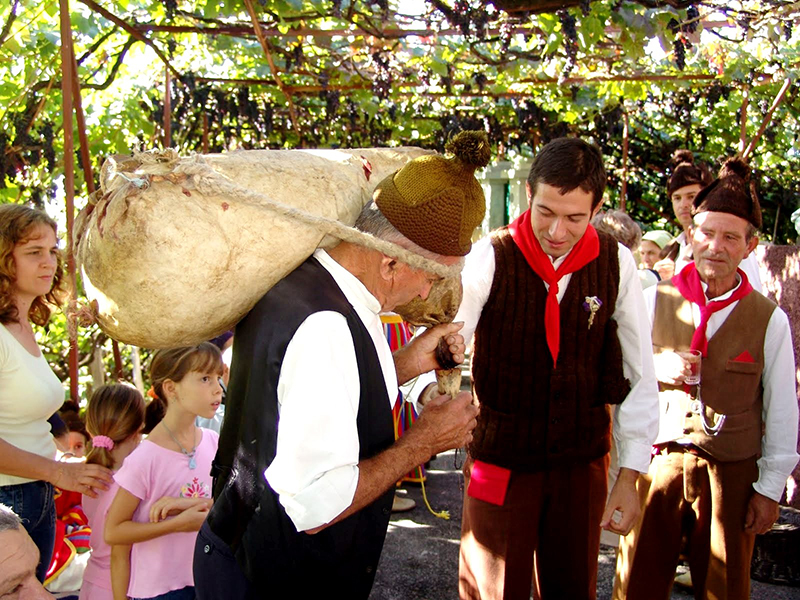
x: 189, y: 455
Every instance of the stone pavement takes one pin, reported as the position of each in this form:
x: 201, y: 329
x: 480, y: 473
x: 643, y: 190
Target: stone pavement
x: 420, y: 557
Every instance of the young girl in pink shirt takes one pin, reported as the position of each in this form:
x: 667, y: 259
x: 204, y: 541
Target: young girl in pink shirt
x: 165, y: 484
x: 114, y: 419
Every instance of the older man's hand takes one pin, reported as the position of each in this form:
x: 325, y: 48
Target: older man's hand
x: 671, y: 367
x: 446, y: 423
x: 762, y: 512
x: 419, y: 355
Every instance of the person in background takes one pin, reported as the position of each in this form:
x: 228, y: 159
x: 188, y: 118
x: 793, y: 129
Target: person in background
x: 627, y: 232
x: 165, y: 484
x: 30, y: 284
x: 114, y: 418
x: 653, y: 244
x: 224, y: 342
x: 398, y: 334
x: 683, y: 185
x: 77, y: 436
x: 19, y: 558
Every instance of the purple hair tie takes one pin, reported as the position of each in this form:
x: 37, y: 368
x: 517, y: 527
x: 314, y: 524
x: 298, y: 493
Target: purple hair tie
x: 103, y: 441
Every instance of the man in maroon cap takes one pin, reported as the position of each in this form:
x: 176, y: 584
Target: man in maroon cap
x: 725, y: 445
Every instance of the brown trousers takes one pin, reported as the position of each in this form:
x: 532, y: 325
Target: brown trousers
x: 550, y: 520
x: 706, y: 500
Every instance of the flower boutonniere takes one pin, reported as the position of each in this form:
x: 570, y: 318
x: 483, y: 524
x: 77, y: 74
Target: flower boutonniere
x: 591, y: 305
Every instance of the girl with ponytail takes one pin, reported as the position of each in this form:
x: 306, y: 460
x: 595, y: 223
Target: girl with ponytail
x: 114, y: 420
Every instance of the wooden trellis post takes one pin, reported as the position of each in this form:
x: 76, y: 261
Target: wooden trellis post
x: 743, y: 119
x: 88, y: 174
x: 623, y: 192
x: 69, y: 186
x: 167, y: 109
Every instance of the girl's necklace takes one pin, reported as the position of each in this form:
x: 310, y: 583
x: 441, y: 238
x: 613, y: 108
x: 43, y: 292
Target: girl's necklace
x: 189, y: 455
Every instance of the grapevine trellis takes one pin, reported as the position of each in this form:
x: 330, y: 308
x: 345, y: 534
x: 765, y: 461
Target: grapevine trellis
x: 638, y: 77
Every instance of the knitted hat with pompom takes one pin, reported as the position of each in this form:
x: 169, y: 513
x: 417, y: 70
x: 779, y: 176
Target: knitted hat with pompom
x: 733, y: 191
x: 685, y: 172
x: 435, y: 201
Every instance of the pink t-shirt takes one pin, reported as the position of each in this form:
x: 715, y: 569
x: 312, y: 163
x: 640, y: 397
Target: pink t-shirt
x: 151, y: 472
x: 98, y: 569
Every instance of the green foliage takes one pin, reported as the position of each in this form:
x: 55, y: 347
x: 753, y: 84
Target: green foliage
x: 382, y: 73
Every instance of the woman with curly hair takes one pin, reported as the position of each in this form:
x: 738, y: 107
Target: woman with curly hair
x: 30, y: 286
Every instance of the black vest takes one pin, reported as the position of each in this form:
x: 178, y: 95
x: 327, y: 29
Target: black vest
x: 279, y: 561
x: 534, y: 416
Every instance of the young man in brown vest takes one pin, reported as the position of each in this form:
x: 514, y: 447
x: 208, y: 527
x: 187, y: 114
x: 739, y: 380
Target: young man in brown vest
x: 560, y: 333
x: 727, y: 445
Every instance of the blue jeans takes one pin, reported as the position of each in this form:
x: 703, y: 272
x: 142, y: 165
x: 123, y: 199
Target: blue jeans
x: 186, y: 593
x: 34, y: 504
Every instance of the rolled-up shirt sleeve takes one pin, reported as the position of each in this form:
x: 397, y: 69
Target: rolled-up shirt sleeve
x: 779, y: 410
x: 636, y: 419
x: 315, y: 470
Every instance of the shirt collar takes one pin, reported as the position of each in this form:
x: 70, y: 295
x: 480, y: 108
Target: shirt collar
x: 724, y: 296
x: 356, y: 292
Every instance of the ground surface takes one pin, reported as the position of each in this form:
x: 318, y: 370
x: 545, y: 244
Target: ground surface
x: 420, y: 558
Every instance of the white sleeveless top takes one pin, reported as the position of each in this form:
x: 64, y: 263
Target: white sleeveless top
x: 29, y: 393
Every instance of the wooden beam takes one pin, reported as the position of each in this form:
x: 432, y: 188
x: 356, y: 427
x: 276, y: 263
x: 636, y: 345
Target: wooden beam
x: 623, y: 193
x: 131, y: 30
x: 767, y: 118
x: 393, y: 33
x: 67, y: 60
x: 167, y: 110
x: 262, y: 39
x: 743, y: 119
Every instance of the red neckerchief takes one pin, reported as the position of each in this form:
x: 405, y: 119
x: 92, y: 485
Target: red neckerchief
x: 688, y: 284
x: 582, y: 253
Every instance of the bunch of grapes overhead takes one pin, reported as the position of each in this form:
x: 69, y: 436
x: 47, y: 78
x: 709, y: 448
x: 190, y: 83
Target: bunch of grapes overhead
x: 171, y: 6
x: 382, y: 81
x: 680, y: 53
x: 570, y: 41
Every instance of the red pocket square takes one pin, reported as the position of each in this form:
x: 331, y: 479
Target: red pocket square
x: 745, y: 357
x: 488, y: 482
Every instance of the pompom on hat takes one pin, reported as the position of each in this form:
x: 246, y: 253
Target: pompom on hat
x: 686, y: 172
x: 733, y: 191
x: 435, y: 201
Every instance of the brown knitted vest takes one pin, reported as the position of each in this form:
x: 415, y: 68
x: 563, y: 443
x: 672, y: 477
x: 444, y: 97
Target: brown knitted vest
x: 728, y: 386
x: 534, y: 416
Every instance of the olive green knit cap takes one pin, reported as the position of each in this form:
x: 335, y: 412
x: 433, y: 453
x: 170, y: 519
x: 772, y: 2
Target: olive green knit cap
x: 436, y: 202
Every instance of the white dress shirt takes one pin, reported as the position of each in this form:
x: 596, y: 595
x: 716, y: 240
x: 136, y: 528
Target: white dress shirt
x: 780, y: 413
x: 315, y: 470
x: 636, y: 419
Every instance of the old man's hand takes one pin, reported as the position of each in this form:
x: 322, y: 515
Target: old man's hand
x: 447, y: 423
x: 419, y: 355
x: 762, y: 512
x: 671, y: 367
